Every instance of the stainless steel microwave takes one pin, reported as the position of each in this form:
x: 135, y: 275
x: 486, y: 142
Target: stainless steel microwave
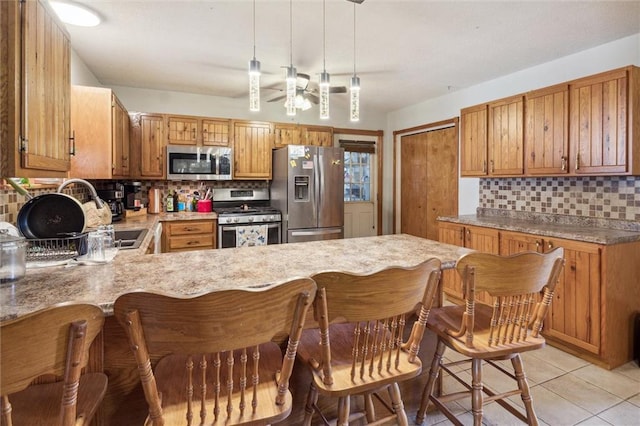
x: 199, y: 163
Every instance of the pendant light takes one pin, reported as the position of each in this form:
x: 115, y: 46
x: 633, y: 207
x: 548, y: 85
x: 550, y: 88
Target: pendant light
x: 292, y: 74
x: 354, y: 89
x: 254, y: 71
x: 324, y: 75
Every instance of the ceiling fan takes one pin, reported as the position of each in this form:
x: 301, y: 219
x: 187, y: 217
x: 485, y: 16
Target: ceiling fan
x: 305, y: 92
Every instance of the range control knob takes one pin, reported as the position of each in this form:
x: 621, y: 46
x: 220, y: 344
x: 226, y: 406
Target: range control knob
x: 251, y: 218
x: 236, y: 219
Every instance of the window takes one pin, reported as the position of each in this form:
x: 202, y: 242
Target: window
x: 357, y: 169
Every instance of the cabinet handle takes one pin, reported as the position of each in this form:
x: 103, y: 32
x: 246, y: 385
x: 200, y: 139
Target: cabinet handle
x: 578, y: 161
x: 484, y: 166
x: 468, y: 235
x: 193, y: 133
x: 549, y: 245
x: 493, y: 168
x: 563, y: 163
x: 537, y: 244
x: 72, y: 140
x: 191, y: 243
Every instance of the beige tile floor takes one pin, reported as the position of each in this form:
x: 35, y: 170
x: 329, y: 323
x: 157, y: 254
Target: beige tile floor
x: 566, y: 391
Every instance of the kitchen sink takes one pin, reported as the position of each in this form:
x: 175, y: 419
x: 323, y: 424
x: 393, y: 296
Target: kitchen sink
x: 130, y: 238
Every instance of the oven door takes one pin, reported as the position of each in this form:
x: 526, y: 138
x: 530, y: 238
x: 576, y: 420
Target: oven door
x: 228, y: 234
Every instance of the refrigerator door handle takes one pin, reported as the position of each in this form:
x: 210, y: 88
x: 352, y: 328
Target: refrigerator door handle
x: 321, y: 179
x: 316, y: 187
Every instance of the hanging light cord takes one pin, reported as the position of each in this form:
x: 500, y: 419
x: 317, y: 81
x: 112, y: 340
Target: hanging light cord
x: 254, y: 29
x: 324, y: 36
x: 354, y: 39
x: 291, y: 32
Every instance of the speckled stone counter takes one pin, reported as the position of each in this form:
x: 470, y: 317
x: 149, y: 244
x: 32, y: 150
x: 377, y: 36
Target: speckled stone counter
x: 591, y: 230
x: 195, y: 272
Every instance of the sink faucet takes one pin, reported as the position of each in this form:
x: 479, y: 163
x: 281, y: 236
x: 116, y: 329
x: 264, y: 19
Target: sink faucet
x: 92, y: 190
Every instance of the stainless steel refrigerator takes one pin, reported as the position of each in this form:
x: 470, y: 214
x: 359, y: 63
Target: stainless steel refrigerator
x: 308, y: 188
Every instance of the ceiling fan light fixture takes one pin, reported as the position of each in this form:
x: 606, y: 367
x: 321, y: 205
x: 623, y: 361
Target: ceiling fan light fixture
x: 292, y: 76
x: 324, y: 94
x: 75, y: 14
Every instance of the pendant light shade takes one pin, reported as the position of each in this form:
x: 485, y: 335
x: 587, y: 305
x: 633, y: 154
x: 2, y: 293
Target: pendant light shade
x: 254, y: 71
x: 290, y: 104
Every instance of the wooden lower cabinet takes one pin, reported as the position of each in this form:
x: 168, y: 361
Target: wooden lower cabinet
x: 185, y: 235
x: 474, y: 237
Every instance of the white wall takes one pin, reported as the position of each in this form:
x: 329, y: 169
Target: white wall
x: 608, y: 56
x: 80, y: 74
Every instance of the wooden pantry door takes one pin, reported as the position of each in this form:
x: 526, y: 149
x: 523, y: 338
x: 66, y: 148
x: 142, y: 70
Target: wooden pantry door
x: 428, y: 180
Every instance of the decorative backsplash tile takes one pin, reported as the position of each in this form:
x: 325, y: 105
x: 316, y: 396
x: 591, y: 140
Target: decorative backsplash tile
x: 598, y: 197
x: 11, y: 202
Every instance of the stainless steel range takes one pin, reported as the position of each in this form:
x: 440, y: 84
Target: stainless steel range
x: 245, y: 218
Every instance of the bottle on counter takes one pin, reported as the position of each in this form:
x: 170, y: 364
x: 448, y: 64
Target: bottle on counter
x: 175, y: 201
x: 169, y: 207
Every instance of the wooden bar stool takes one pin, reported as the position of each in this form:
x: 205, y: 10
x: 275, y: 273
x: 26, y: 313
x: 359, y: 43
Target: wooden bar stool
x: 521, y: 287
x: 216, y: 357
x: 359, y: 348
x: 52, y: 341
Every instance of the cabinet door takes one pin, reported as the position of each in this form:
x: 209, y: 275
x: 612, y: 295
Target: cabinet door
x: 120, y: 123
x: 215, y: 132
x: 182, y: 130
x: 151, y: 146
x: 598, y: 124
x: 546, y: 133
x: 287, y: 134
x: 46, y: 90
x: 319, y: 136
x: 574, y: 316
x: 473, y: 141
x: 450, y: 233
x: 516, y: 242
x: 506, y: 137
x: 486, y: 240
x: 252, y: 150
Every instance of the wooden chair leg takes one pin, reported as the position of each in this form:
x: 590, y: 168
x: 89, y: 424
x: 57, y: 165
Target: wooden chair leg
x: 312, y: 400
x: 5, y: 407
x: 428, y: 388
x: 525, y: 393
x: 397, y: 404
x: 344, y: 408
x: 369, y: 409
x: 476, y: 391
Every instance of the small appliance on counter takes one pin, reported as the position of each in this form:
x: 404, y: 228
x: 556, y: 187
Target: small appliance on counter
x: 154, y: 205
x: 113, y: 196
x: 133, y: 196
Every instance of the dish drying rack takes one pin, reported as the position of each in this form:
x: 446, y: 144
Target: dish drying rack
x: 56, y: 249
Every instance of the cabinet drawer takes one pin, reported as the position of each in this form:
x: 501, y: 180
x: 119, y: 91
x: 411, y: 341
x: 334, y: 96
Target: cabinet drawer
x: 190, y: 228
x: 190, y: 242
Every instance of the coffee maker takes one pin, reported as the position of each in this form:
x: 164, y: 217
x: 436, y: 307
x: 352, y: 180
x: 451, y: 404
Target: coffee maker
x: 133, y: 196
x: 113, y: 196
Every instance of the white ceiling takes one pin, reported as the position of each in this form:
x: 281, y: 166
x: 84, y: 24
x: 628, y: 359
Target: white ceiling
x: 406, y: 51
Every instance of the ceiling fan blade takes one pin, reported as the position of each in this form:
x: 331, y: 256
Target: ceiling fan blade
x: 277, y: 98
x: 338, y: 89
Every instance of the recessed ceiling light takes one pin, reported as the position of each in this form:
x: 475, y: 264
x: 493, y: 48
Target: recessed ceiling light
x: 75, y: 14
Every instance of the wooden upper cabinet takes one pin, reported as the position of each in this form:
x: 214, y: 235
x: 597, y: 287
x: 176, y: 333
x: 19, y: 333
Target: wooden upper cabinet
x: 147, y: 145
x: 288, y: 134
x: 252, y: 142
x: 100, y: 125
x: 215, y: 131
x: 36, y: 81
x: 599, y: 117
x: 546, y: 132
x: 319, y: 136
x: 473, y: 141
x: 189, y: 130
x: 506, y: 137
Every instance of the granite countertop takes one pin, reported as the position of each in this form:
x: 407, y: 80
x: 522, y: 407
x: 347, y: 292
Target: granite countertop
x: 599, y: 231
x: 194, y: 272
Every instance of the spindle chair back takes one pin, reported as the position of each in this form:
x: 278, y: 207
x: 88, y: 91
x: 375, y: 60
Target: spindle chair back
x: 216, y: 357
x: 359, y: 347
x: 54, y: 341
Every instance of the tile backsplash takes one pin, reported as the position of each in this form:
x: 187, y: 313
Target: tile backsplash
x: 615, y: 197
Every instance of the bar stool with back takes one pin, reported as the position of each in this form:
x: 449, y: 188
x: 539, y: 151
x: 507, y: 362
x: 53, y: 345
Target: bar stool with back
x: 216, y: 357
x: 521, y: 287
x: 53, y: 341
x: 358, y: 348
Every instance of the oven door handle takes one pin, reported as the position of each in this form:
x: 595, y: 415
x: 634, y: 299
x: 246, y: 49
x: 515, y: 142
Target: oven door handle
x: 235, y: 227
